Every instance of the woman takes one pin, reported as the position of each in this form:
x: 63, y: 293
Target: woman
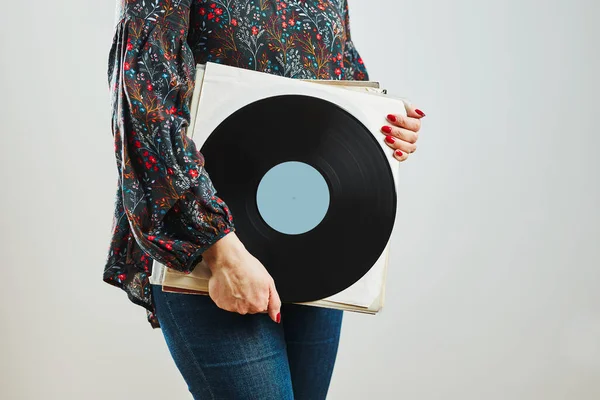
x: 240, y: 342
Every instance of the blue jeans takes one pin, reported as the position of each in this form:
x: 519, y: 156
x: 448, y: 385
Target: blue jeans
x: 228, y: 356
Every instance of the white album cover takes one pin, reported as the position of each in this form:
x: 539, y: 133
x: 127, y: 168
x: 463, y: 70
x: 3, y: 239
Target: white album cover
x: 221, y: 90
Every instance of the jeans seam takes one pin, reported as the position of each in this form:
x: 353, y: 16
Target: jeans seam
x: 187, y: 347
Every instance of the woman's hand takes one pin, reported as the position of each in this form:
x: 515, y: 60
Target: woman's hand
x: 402, y: 132
x: 239, y: 281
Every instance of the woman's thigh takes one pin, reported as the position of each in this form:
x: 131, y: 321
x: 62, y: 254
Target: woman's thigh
x: 221, y: 354
x: 312, y: 336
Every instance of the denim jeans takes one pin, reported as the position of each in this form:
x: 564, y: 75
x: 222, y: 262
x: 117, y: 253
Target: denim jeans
x: 228, y: 356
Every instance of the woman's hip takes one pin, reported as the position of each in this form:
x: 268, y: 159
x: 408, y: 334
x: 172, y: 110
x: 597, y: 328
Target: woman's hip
x: 222, y: 354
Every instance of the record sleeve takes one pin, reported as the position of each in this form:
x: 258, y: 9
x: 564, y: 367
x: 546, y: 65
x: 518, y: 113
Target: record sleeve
x: 364, y: 293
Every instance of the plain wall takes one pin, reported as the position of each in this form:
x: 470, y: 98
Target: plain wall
x: 493, y: 289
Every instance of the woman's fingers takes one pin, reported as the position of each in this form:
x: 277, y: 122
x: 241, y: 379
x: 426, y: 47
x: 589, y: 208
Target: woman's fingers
x: 400, y: 139
x: 397, y: 144
x: 401, y: 133
x: 410, y: 121
x: 274, y: 307
x: 404, y: 121
x: 400, y: 155
x: 413, y: 112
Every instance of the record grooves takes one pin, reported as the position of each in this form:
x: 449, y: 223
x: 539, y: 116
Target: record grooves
x: 354, y: 232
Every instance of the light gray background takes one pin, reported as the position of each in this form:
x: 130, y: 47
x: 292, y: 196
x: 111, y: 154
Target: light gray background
x: 493, y: 290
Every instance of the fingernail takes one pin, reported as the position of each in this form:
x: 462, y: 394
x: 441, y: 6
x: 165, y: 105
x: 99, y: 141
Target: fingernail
x: 399, y: 153
x: 421, y: 113
x: 390, y: 139
x: 391, y: 118
x: 278, y: 317
x: 387, y: 129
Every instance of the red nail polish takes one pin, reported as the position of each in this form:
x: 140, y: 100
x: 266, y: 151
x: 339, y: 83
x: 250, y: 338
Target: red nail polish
x: 278, y: 317
x: 391, y: 118
x: 387, y: 129
x: 421, y: 113
x: 399, y: 153
x: 390, y: 139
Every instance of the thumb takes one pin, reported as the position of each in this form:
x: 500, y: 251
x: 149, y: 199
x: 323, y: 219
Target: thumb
x: 274, y: 307
x: 412, y: 111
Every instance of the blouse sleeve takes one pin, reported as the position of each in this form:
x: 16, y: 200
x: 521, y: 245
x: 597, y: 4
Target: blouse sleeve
x: 166, y: 196
x: 354, y: 65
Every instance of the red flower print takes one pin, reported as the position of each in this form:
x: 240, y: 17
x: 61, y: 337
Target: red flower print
x: 122, y: 277
x: 150, y: 87
x: 126, y: 66
x: 151, y: 238
x: 339, y: 56
x: 254, y: 30
x: 170, y: 171
x: 129, y: 46
x: 148, y: 165
x: 338, y: 71
x: 171, y: 110
x: 319, y: 36
x: 321, y: 7
x: 217, y: 19
x: 193, y: 173
x: 152, y: 159
x: 137, y: 144
x: 219, y: 11
x: 213, y: 5
x: 284, y: 25
x: 202, y: 11
x: 233, y: 21
x: 169, y: 246
x: 211, y: 15
x: 360, y: 60
x: 292, y: 22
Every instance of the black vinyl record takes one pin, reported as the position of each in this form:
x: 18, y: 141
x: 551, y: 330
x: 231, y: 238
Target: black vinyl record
x: 359, y: 221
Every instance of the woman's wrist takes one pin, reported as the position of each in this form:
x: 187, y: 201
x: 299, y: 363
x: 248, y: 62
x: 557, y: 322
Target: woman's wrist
x: 226, y: 248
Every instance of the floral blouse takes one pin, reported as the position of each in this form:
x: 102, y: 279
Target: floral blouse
x: 166, y: 207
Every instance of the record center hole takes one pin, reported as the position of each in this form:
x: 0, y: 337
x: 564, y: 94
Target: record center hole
x: 293, y: 197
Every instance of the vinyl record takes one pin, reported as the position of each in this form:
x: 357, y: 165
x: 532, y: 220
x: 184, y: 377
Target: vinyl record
x: 357, y: 226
